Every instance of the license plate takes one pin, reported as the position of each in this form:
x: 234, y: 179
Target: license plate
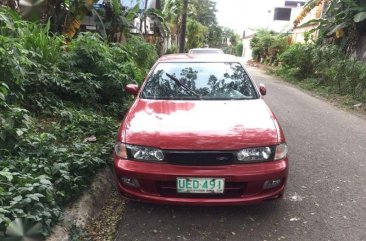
x: 200, y: 185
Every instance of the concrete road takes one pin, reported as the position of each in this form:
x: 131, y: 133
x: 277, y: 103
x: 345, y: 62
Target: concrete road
x: 326, y: 192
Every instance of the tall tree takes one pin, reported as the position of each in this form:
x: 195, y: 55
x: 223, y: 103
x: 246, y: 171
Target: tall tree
x: 184, y: 27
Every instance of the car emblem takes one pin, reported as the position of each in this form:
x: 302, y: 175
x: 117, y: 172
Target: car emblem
x: 222, y: 158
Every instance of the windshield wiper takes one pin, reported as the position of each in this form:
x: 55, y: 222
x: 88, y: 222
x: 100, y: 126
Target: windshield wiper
x: 192, y: 92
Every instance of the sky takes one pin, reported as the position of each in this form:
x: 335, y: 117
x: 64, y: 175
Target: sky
x: 244, y: 14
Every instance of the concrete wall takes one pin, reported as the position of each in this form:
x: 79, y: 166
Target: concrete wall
x: 247, y: 51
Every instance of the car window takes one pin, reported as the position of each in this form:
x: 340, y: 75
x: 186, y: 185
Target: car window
x: 210, y: 81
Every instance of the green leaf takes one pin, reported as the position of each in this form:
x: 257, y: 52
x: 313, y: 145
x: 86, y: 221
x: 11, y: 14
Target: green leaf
x: 19, y: 132
x: 359, y: 17
x: 101, y: 24
x: 3, y: 85
x: 7, y: 175
x: 133, y: 11
x: 17, y: 198
x: 2, y: 96
x: 313, y: 21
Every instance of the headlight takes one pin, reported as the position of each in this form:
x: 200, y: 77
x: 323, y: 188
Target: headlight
x: 256, y: 154
x: 267, y: 153
x: 144, y: 153
x: 120, y: 150
x: 281, y: 151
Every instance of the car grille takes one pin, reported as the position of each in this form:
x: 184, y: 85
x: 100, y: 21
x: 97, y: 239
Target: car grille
x: 232, y: 189
x: 199, y: 158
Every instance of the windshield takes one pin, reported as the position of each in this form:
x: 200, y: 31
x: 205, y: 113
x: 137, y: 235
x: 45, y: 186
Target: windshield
x: 211, y: 81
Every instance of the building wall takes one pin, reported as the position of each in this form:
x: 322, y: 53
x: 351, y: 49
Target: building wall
x: 281, y: 25
x: 247, y: 51
x: 299, y: 32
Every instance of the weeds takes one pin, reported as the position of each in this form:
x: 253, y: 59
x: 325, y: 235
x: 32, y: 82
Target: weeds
x: 58, y: 109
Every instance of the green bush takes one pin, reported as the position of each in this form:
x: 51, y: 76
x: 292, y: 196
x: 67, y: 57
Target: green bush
x: 239, y: 49
x: 58, y: 109
x: 267, y: 46
x: 142, y: 53
x: 328, y: 65
x: 297, y: 60
x: 172, y: 50
x: 45, y: 169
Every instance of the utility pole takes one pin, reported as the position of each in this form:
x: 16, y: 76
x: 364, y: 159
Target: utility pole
x: 184, y: 26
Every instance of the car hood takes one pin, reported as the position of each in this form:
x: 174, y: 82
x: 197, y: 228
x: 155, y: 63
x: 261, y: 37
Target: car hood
x: 200, y: 125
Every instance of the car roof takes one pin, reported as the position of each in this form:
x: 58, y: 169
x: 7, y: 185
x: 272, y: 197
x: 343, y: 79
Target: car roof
x: 214, y: 58
x: 205, y: 49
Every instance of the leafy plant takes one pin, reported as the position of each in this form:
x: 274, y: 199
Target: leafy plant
x: 57, y: 114
x: 342, y: 23
x: 328, y: 66
x: 196, y: 34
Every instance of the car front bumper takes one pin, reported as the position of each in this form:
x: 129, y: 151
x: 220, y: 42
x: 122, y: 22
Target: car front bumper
x: 243, y: 182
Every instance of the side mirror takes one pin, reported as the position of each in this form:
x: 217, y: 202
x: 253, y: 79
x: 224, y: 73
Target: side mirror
x: 132, y: 89
x: 262, y: 89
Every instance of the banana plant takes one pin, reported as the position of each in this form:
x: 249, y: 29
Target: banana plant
x: 341, y: 22
x: 78, y: 9
x: 159, y: 21
x: 113, y: 21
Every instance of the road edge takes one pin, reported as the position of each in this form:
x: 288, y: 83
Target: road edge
x: 87, y: 207
x: 334, y: 102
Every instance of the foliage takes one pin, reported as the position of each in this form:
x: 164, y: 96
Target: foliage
x: 160, y: 23
x: 77, y: 11
x: 196, y: 34
x: 45, y: 168
x: 113, y: 21
x: 172, y: 50
x: 328, y: 66
x: 204, y: 12
x: 268, y: 45
x: 229, y: 41
x: 297, y: 60
x: 215, y: 36
x: 342, y: 23
x: 143, y: 54
x: 239, y: 49
x: 58, y: 108
x: 202, y: 27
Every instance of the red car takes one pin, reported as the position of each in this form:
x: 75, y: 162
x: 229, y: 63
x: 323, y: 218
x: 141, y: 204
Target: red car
x: 200, y: 133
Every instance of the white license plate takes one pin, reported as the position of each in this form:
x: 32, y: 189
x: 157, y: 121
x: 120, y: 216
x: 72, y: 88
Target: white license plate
x: 200, y: 185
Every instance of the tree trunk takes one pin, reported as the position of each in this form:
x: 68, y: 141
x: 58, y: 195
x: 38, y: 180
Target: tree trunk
x: 182, y: 37
x: 145, y: 18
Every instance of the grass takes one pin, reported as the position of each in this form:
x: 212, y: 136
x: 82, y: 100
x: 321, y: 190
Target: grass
x: 317, y: 89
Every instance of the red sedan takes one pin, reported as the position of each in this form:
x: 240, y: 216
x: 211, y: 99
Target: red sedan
x: 200, y: 133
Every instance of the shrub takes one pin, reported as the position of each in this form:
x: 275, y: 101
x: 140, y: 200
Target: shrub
x: 328, y: 65
x: 239, y: 49
x: 52, y: 98
x: 142, y: 53
x: 45, y: 169
x: 268, y: 45
x: 297, y: 60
